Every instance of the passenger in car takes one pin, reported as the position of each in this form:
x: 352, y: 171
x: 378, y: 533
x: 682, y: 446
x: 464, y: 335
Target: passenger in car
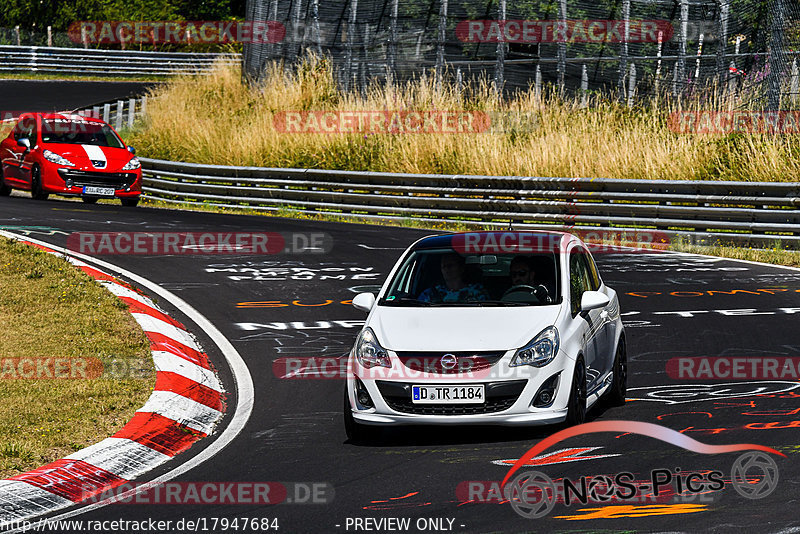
x: 456, y: 287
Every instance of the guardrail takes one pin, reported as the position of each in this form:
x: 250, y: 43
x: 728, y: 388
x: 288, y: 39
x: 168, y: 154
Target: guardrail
x: 704, y: 212
x: 108, y: 62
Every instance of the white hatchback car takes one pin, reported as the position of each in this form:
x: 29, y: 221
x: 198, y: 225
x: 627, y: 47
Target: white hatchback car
x: 510, y: 328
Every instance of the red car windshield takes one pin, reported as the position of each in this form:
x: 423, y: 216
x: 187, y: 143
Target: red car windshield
x: 79, y: 132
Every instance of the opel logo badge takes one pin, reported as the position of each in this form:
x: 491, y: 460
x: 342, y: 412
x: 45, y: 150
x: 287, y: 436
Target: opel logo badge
x: 449, y: 361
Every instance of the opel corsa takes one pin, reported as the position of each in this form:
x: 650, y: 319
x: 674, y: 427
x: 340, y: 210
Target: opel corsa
x: 508, y: 328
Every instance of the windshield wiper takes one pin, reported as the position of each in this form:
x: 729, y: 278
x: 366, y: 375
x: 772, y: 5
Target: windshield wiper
x: 405, y: 301
x: 500, y: 303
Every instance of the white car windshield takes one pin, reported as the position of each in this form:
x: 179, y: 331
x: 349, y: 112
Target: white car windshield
x: 443, y: 277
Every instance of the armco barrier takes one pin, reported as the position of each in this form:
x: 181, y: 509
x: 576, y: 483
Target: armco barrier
x: 107, y: 62
x: 704, y: 212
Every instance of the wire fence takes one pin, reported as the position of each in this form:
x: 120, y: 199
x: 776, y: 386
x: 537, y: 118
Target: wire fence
x: 630, y: 48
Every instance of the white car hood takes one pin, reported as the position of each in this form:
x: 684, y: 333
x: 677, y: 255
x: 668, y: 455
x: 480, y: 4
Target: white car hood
x: 460, y: 329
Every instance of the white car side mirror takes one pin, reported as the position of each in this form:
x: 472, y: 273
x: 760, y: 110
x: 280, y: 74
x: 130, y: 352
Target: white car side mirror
x: 364, y: 301
x: 591, y: 300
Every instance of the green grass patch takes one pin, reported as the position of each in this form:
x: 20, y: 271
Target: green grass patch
x: 50, y: 309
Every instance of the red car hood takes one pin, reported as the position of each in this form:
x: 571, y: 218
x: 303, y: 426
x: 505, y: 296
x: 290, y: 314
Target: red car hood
x: 89, y: 156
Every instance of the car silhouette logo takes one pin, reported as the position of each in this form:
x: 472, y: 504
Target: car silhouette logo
x: 449, y: 361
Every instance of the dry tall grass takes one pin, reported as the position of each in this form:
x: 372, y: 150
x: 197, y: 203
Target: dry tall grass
x: 218, y: 119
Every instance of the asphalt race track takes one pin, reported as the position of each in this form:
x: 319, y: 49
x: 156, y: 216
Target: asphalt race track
x: 18, y: 96
x: 673, y: 306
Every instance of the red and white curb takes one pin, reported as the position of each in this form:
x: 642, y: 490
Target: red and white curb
x: 186, y: 404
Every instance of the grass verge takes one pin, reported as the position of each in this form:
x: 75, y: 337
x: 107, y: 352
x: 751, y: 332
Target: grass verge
x: 50, y: 309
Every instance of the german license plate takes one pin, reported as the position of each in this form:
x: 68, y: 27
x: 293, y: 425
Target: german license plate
x: 98, y: 191
x: 453, y: 394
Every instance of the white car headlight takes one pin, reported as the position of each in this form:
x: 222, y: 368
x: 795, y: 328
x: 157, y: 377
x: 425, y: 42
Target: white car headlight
x: 540, y: 351
x: 369, y: 352
x: 132, y: 165
x: 58, y: 159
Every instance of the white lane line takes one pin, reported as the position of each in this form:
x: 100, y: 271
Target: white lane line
x: 171, y: 363
x: 124, y: 457
x: 243, y: 382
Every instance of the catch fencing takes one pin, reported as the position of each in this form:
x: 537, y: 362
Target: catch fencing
x: 702, y: 212
x: 743, y: 48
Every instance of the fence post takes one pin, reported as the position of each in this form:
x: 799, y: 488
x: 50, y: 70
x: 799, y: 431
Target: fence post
x: 315, y: 22
x: 442, y: 35
x: 562, y: 46
x: 459, y: 82
x: 623, y: 50
x: 84, y: 36
x: 632, y: 85
x: 392, y: 51
x: 675, y: 79
x: 697, y: 62
x: 131, y: 112
x: 96, y: 112
x: 537, y: 88
x: 500, y: 64
x: 351, y: 33
x: 658, y: 63
x: 722, y: 42
x: 775, y: 59
x: 584, y: 86
x: 16, y: 31
x: 297, y: 44
x: 143, y: 108
x: 681, y: 65
x: 49, y: 36
x: 118, y: 116
x: 362, y: 66
x: 273, y: 16
x: 106, y: 113
x: 795, y: 82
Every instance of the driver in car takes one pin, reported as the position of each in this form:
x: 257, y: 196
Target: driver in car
x: 456, y: 287
x: 522, y: 273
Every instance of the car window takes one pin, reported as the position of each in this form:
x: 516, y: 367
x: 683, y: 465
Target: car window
x: 26, y: 127
x: 579, y: 280
x: 431, y: 277
x: 79, y: 132
x: 594, y: 276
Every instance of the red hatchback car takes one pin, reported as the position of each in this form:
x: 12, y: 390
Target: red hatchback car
x: 69, y: 155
